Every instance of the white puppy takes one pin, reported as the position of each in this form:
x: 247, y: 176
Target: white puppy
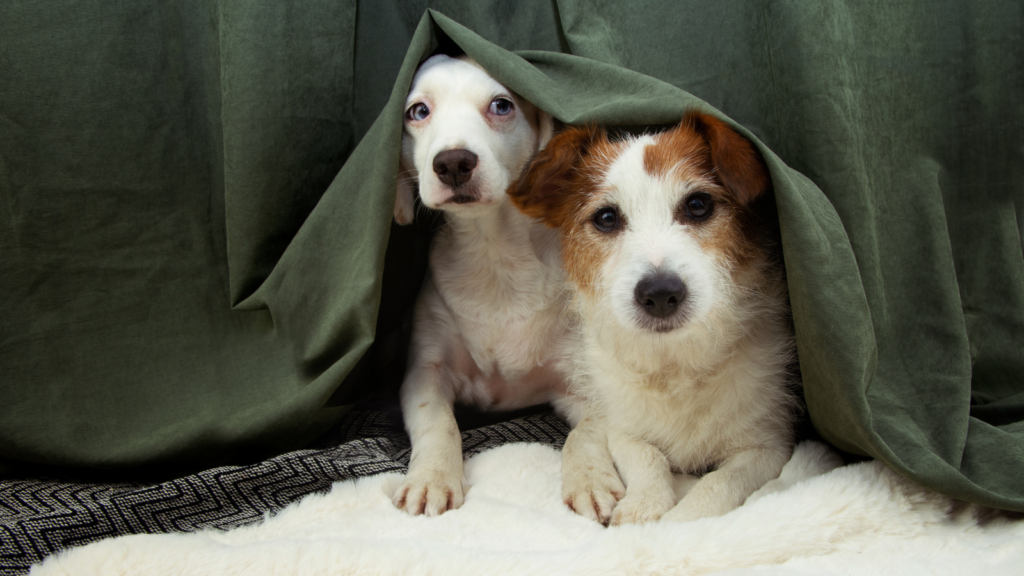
x: 685, y: 333
x: 490, y: 327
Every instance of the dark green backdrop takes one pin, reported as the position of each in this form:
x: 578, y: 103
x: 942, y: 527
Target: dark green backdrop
x: 187, y: 279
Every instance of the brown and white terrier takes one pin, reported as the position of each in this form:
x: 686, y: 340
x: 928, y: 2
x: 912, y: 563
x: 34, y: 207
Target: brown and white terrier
x: 685, y: 336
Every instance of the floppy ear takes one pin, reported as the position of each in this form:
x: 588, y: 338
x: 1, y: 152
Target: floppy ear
x: 545, y: 128
x: 405, y: 196
x: 547, y: 186
x: 737, y: 162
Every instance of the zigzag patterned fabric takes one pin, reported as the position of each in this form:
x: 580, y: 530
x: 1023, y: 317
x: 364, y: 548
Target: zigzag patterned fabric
x: 39, y: 518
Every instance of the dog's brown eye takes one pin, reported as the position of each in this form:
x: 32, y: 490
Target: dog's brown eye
x: 699, y: 206
x: 606, y: 219
x: 417, y: 111
x: 501, y: 106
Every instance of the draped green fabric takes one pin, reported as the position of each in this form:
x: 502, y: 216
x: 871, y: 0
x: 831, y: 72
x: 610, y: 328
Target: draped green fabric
x: 195, y: 206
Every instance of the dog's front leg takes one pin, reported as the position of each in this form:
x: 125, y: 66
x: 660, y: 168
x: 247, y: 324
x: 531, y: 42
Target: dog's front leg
x: 648, y: 478
x: 590, y: 484
x: 726, y: 488
x: 433, y: 484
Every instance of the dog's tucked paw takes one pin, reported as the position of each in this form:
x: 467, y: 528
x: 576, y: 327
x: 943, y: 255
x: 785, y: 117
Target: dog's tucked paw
x: 695, y: 506
x: 594, y: 496
x: 431, y: 494
x: 682, y: 513
x: 636, y: 509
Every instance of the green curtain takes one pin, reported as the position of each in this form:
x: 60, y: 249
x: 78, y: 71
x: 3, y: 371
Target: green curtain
x: 194, y: 249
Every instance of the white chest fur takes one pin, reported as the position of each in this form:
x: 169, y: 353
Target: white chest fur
x: 697, y: 418
x: 501, y: 281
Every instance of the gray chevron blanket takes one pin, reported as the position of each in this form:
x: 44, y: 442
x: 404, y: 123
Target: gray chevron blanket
x: 41, y: 517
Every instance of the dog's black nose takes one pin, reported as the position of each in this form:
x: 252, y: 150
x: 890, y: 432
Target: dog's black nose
x: 660, y: 294
x: 455, y: 167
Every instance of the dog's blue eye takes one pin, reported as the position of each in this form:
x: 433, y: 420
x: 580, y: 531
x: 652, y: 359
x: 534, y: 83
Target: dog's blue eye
x: 417, y: 111
x: 606, y: 219
x: 501, y: 106
x: 699, y: 206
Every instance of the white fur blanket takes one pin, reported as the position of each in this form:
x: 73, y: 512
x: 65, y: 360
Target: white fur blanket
x: 817, y: 518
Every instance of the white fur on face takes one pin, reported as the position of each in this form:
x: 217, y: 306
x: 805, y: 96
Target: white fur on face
x: 653, y: 240
x: 458, y: 95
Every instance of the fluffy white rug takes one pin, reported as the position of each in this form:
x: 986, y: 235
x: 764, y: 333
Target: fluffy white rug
x: 817, y: 519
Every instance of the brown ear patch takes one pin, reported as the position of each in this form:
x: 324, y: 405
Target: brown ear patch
x: 549, y: 183
x: 670, y: 148
x: 737, y: 163
x: 558, y: 186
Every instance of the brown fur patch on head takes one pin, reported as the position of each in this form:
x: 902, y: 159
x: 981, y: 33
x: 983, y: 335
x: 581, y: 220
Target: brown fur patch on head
x: 731, y: 234
x: 548, y: 187
x: 737, y: 163
x: 584, y: 249
x: 559, y: 187
x: 703, y: 148
x: 677, y: 150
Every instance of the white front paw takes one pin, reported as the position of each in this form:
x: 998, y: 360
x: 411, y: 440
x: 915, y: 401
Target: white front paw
x: 594, y: 494
x: 638, y: 508
x: 430, y: 493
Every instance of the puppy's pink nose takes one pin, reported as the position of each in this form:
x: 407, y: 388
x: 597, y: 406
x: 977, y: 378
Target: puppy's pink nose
x: 455, y: 167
